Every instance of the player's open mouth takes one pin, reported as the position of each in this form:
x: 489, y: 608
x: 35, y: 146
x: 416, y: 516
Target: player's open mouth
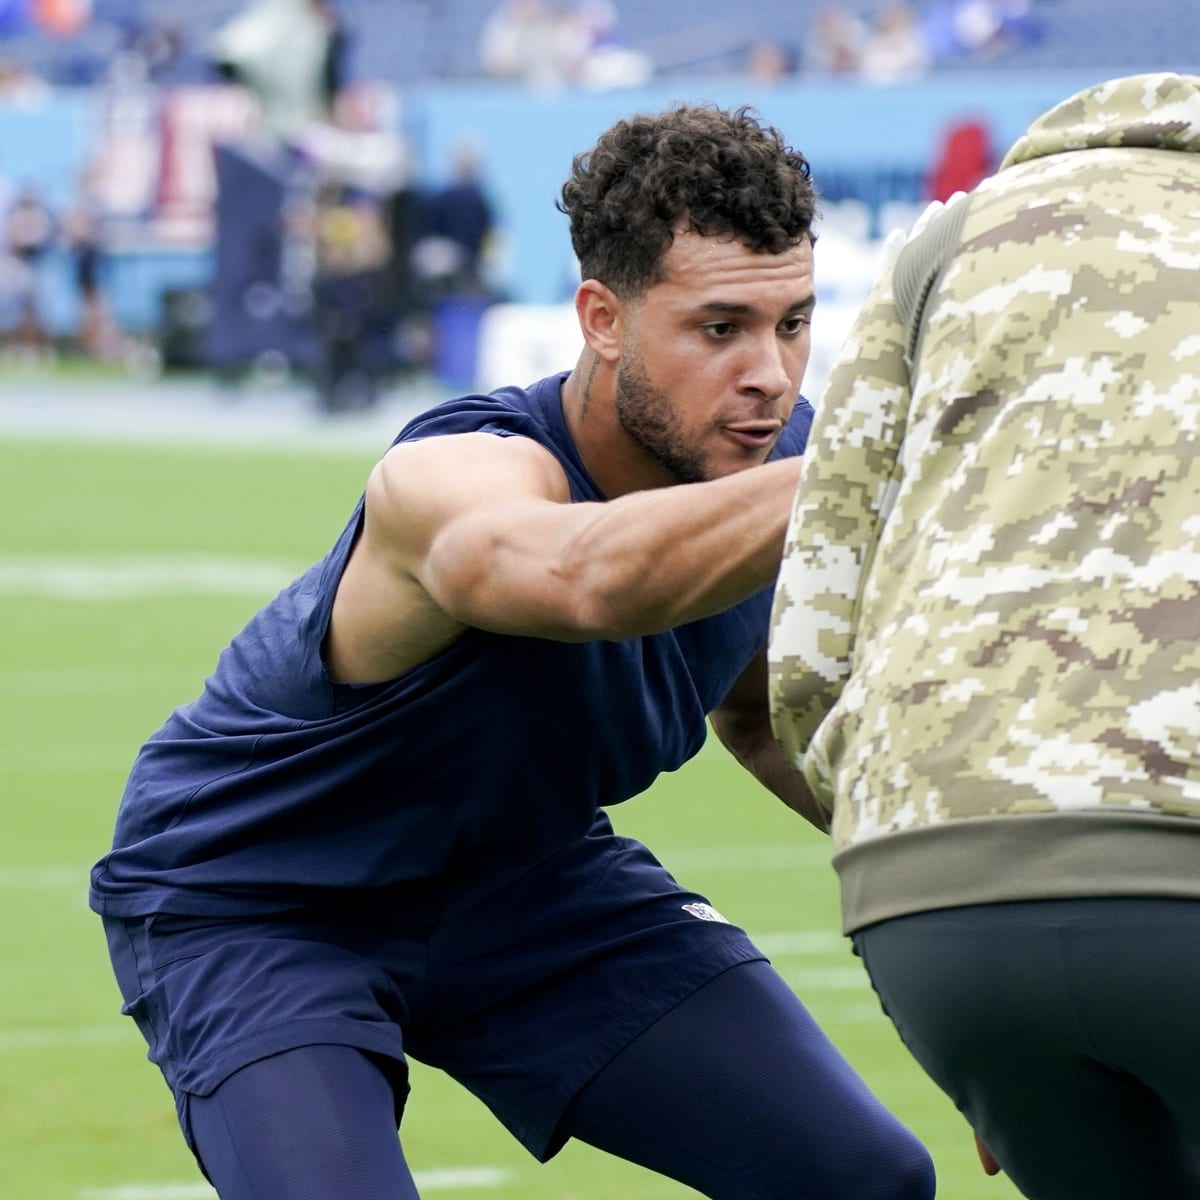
x: 755, y: 434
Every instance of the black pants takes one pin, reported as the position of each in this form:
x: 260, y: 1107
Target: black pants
x: 1067, y: 1032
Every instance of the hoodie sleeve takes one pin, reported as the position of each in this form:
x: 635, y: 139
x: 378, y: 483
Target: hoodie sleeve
x: 851, y: 474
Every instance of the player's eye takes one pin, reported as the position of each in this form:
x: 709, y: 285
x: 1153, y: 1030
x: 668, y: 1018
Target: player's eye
x: 791, y: 326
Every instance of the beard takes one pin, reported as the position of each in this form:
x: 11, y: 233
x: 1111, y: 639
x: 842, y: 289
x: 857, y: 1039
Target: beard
x: 647, y: 415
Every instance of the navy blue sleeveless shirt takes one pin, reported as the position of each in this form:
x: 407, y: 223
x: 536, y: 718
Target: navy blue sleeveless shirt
x: 278, y: 788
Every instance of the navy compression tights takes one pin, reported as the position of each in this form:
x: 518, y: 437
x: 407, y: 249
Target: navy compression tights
x: 735, y: 1092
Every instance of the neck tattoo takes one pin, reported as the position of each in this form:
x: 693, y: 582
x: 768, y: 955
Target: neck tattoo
x: 587, y: 388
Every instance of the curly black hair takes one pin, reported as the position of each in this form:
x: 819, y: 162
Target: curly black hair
x: 713, y: 171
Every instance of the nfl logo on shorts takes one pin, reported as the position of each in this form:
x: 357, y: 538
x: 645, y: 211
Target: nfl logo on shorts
x: 705, y: 912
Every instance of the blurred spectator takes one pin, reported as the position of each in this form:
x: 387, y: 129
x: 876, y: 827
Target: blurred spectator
x: 409, y: 219
x: 462, y: 214
x: 281, y: 50
x: 159, y: 47
x: 29, y: 230
x: 82, y: 230
x: 527, y: 41
x: 352, y: 315
x: 605, y: 60
x: 334, y: 72
x: 895, y: 50
x: 768, y: 62
x: 1019, y: 25
x: 62, y: 18
x: 835, y: 43
x: 360, y: 145
x: 966, y: 29
x: 559, y: 45
x: 350, y: 233
x: 18, y: 84
x: 29, y: 225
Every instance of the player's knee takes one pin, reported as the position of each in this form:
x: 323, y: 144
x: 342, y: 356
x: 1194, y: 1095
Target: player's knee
x: 902, y: 1171
x: 892, y: 1168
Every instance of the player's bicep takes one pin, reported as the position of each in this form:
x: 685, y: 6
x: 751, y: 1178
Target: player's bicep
x: 474, y: 519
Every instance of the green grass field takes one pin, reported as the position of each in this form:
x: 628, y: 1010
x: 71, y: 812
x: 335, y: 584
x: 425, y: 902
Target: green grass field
x: 123, y: 571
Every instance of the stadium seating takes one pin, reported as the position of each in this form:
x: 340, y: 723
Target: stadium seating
x: 413, y: 41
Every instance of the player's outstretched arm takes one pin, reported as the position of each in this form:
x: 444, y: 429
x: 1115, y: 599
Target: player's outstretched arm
x: 476, y: 530
x: 502, y: 549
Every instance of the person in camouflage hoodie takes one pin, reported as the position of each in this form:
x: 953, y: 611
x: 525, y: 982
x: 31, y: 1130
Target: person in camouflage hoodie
x: 985, y: 646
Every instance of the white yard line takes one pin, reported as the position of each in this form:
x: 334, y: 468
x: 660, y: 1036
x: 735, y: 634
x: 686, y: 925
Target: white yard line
x: 84, y: 1035
x: 864, y: 1012
x: 442, y: 1178
x: 126, y: 578
x: 827, y: 979
x: 801, y: 943
x: 150, y: 1191
x: 25, y: 876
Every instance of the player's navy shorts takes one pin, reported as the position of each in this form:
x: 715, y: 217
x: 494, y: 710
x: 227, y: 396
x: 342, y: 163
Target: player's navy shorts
x: 522, y: 997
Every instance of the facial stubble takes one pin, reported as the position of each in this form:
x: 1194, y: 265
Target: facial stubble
x: 648, y: 416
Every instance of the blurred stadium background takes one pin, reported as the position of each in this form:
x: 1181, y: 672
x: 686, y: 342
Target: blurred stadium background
x: 357, y: 193
x: 240, y: 243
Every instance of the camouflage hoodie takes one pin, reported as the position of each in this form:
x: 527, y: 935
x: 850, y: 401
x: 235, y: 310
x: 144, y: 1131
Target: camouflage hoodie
x: 985, y: 649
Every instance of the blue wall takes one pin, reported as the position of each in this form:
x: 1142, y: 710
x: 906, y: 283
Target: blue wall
x: 880, y: 138
x: 47, y: 142
x: 879, y: 141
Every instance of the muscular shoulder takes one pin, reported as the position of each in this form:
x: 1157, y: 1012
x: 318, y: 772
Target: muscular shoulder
x: 440, y: 475
x: 385, y: 618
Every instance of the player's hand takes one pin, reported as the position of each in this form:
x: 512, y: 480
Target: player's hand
x: 990, y: 1165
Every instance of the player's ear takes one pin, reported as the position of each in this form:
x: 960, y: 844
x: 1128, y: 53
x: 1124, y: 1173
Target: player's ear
x: 601, y: 317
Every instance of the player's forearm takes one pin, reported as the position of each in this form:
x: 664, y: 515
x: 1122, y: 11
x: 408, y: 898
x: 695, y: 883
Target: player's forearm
x: 777, y: 775
x: 749, y: 739
x: 654, y: 560
x: 639, y: 564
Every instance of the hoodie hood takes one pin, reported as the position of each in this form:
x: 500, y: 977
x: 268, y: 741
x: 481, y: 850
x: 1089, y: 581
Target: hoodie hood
x: 1158, y: 111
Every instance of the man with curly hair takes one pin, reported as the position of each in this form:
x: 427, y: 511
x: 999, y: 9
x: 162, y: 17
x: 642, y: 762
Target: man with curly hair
x: 380, y: 831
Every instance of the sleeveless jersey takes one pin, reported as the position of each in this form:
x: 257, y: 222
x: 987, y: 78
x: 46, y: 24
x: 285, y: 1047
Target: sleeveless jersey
x: 278, y: 788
